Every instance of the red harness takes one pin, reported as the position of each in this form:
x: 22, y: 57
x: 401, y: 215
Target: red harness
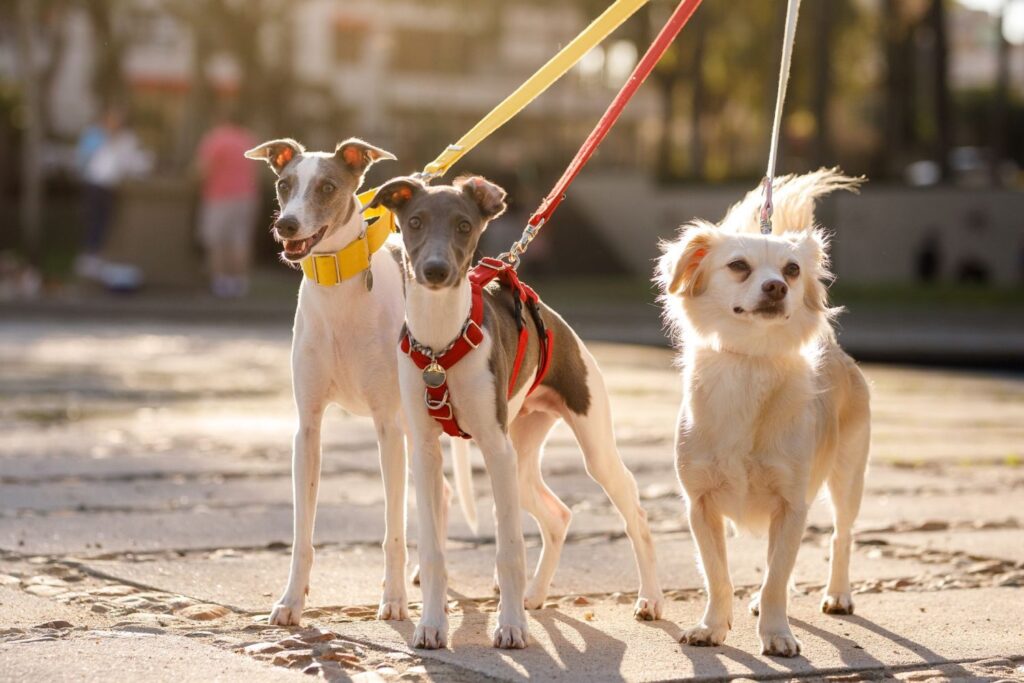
x: 435, y: 366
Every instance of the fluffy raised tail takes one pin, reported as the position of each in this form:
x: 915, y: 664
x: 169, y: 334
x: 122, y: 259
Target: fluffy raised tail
x: 463, y: 471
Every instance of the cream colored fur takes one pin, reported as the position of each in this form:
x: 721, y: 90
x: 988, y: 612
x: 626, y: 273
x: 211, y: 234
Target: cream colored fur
x: 772, y: 407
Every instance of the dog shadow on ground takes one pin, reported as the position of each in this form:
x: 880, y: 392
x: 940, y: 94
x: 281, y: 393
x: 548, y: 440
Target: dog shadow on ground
x: 707, y: 661
x: 854, y: 655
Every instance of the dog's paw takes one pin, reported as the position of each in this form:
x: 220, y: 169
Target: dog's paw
x: 393, y: 609
x: 837, y: 603
x: 703, y: 635
x: 432, y: 636
x: 286, y: 613
x: 510, y: 637
x: 755, y: 604
x: 780, y: 644
x: 648, y: 608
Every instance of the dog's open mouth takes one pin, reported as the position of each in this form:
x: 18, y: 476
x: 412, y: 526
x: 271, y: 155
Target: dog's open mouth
x: 295, y: 250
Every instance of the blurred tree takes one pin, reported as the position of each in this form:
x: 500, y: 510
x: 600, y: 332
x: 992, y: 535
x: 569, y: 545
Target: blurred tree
x: 32, y: 129
x: 111, y: 40
x: 943, y: 133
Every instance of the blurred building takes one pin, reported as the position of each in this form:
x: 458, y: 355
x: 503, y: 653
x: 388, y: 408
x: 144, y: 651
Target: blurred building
x: 411, y: 75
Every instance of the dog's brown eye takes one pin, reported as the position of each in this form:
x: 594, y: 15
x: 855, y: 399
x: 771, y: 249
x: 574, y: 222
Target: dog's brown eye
x: 415, y: 223
x: 791, y: 270
x: 739, y: 266
x: 282, y: 186
x: 464, y: 226
x: 328, y: 188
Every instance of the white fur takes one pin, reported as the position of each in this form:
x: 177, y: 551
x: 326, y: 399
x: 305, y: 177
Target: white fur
x: 513, y: 463
x: 343, y: 352
x: 772, y: 407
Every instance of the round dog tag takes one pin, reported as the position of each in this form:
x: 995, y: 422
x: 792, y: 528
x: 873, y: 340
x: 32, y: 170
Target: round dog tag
x: 434, y: 375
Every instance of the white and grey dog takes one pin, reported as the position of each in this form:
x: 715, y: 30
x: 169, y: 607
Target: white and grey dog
x: 772, y: 406
x: 441, y: 227
x: 343, y: 352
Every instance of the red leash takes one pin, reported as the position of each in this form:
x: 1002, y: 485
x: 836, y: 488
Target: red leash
x: 643, y: 69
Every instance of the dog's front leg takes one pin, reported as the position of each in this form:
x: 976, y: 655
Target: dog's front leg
x: 394, y: 603
x: 432, y: 631
x: 787, y: 528
x: 305, y: 486
x: 708, y: 528
x: 500, y: 459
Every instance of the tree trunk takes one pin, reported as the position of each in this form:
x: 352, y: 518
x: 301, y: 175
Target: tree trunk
x: 943, y: 141
x: 999, y: 103
x: 32, y: 139
x: 825, y: 21
x: 697, y: 101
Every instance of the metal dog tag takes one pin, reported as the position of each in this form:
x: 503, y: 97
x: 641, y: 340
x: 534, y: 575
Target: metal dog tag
x: 434, y: 375
x: 368, y: 280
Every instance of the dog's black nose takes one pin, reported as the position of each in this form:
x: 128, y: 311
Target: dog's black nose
x: 435, y: 272
x: 775, y: 290
x: 286, y: 226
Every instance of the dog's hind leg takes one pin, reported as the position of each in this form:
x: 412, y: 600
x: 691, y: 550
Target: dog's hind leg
x: 394, y: 603
x: 604, y: 464
x: 305, y: 486
x: 553, y: 516
x: 845, y: 487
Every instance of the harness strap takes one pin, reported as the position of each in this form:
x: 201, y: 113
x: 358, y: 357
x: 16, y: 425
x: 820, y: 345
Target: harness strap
x: 436, y: 394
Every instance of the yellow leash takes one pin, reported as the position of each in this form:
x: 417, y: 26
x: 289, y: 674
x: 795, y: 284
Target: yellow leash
x: 599, y: 29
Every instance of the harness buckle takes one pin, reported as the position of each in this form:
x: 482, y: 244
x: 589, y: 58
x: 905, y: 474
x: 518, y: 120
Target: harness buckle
x: 465, y: 333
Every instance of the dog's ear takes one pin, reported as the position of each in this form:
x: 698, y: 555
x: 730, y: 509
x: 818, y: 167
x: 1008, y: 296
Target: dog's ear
x: 359, y: 155
x: 488, y: 197
x: 679, y: 269
x: 813, y: 248
x: 277, y: 153
x: 395, y: 193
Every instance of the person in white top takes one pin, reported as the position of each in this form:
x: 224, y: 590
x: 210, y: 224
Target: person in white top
x: 108, y: 154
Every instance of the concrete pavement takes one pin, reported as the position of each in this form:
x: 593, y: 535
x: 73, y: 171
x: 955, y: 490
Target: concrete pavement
x: 145, y: 517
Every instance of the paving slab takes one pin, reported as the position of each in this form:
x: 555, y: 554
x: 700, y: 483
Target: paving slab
x: 24, y: 610
x: 601, y: 642
x: 250, y: 581
x: 105, y: 656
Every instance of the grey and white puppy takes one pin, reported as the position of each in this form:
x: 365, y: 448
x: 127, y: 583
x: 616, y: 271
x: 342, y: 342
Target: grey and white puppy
x: 441, y: 227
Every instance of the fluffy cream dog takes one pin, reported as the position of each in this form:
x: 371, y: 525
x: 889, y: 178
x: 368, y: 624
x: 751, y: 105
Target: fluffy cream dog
x: 772, y: 406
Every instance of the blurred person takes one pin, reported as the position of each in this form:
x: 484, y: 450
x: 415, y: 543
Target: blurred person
x: 230, y: 199
x: 108, y: 153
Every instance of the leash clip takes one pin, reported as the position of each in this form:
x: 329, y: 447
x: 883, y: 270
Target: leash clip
x: 767, y: 208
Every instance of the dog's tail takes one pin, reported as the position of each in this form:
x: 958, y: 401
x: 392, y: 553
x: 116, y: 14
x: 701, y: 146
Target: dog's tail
x: 463, y: 470
x: 794, y: 200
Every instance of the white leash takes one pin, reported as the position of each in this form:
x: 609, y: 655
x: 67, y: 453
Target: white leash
x: 787, y: 56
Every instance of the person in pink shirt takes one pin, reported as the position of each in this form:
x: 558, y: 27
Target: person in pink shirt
x: 230, y: 199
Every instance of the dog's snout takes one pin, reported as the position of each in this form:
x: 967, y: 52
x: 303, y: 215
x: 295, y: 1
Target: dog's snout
x: 436, y: 271
x: 775, y: 290
x: 286, y: 226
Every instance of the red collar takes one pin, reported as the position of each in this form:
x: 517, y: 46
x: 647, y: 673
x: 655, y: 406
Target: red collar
x: 435, y: 365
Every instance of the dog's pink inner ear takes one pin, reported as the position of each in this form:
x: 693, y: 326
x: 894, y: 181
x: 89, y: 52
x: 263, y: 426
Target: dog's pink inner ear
x: 401, y: 195
x: 353, y: 156
x: 283, y: 155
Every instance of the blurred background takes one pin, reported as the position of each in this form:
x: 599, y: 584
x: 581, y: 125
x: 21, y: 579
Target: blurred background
x: 113, y: 114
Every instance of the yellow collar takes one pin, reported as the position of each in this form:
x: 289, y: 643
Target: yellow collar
x: 353, y: 258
